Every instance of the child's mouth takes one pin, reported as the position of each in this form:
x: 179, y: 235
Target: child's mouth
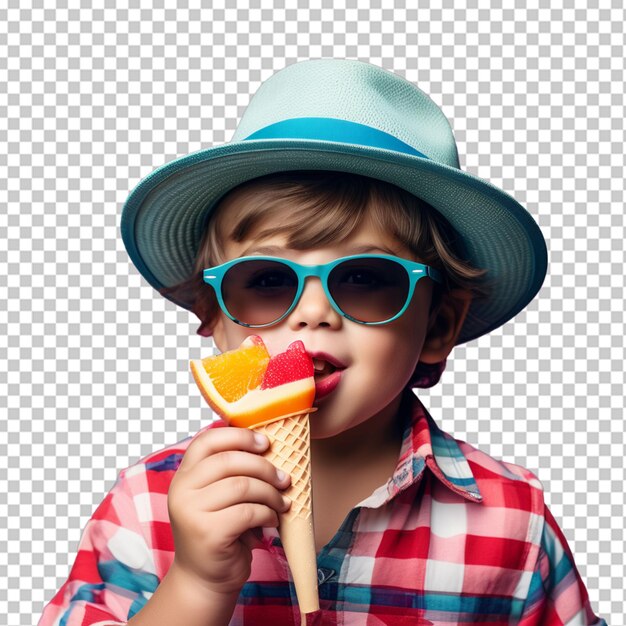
x: 327, y: 375
x: 322, y: 369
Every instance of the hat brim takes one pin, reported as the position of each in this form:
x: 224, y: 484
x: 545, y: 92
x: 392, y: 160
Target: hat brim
x: 164, y: 216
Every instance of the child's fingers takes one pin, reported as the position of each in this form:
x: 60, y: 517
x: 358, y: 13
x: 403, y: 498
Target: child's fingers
x: 241, y: 489
x: 236, y: 463
x: 243, y: 517
x: 217, y: 440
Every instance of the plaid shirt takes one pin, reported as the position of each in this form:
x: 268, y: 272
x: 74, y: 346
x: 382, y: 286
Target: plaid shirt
x: 454, y: 537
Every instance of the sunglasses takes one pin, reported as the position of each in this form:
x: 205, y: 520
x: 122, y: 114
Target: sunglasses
x: 257, y: 291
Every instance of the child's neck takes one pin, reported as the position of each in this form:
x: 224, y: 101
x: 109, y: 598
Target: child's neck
x: 348, y: 468
x: 363, y: 443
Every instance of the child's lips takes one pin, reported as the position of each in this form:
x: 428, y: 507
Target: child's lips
x: 327, y: 384
x: 327, y: 373
x: 321, y: 358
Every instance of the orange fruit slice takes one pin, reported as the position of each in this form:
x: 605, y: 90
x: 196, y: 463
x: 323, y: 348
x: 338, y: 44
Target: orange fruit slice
x: 225, y: 378
x: 247, y: 387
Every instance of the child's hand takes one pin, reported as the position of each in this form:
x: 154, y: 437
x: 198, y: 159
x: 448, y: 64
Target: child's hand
x: 223, y: 489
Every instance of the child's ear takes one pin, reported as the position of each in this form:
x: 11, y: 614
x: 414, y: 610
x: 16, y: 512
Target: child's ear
x: 444, y: 325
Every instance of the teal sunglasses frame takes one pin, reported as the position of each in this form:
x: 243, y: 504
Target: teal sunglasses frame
x: 214, y: 276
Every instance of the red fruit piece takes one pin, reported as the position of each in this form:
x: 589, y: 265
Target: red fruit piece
x: 293, y: 364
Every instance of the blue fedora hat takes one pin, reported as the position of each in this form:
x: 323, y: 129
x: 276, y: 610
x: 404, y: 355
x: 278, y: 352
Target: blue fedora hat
x: 349, y: 116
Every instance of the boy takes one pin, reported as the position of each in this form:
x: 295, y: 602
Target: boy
x: 333, y: 159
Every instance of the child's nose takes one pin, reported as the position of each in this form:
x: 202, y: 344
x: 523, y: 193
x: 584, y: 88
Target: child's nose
x: 313, y: 308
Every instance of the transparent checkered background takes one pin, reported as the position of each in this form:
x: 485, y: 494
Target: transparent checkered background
x: 96, y: 362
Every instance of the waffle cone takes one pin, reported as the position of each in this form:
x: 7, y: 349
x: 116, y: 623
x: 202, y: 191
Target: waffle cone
x: 290, y: 451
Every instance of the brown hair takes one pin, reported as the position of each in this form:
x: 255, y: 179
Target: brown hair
x: 316, y: 208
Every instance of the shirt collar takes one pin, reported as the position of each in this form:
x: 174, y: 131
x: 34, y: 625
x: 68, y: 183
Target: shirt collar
x: 424, y: 445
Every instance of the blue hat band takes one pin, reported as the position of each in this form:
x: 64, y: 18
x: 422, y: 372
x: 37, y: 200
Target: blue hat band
x: 333, y: 129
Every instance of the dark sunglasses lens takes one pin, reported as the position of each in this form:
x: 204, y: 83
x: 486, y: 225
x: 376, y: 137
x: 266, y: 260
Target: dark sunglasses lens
x: 259, y: 292
x: 369, y: 290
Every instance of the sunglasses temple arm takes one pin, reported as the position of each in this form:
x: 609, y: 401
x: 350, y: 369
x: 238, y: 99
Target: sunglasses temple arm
x: 435, y: 275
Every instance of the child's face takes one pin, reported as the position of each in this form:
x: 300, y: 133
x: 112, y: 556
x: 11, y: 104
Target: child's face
x: 379, y: 360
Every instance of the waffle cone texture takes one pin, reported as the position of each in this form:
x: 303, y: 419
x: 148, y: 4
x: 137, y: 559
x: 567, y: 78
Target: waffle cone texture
x: 290, y: 451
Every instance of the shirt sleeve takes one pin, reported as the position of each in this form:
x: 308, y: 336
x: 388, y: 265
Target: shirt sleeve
x: 557, y: 595
x: 113, y: 574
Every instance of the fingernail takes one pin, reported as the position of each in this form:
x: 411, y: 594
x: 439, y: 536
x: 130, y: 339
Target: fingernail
x: 286, y: 503
x: 260, y: 440
x: 281, y: 475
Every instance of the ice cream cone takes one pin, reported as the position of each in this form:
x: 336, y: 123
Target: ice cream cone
x: 290, y: 451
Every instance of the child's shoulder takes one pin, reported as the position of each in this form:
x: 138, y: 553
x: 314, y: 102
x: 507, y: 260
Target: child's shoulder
x: 511, y: 498
x: 488, y: 466
x: 497, y: 480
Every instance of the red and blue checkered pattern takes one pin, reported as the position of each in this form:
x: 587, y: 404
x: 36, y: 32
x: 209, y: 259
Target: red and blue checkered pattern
x: 454, y: 537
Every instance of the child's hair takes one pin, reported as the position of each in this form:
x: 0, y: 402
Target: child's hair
x: 325, y: 207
